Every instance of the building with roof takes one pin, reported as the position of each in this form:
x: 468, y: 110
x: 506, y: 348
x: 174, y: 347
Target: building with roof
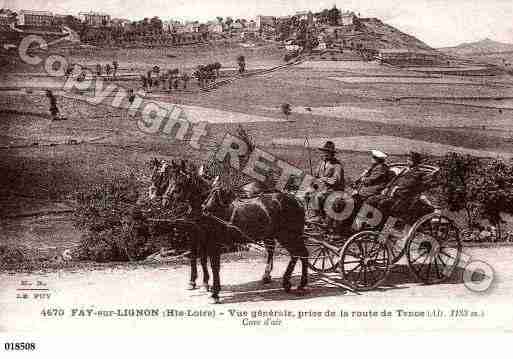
x: 120, y: 23
x: 173, y: 27
x: 305, y: 15
x: 262, y: 21
x: 6, y: 19
x: 193, y: 26
x: 407, y: 57
x: 252, y: 26
x: 236, y: 27
x: 348, y: 18
x: 95, y: 19
x: 34, y: 18
x: 215, y: 26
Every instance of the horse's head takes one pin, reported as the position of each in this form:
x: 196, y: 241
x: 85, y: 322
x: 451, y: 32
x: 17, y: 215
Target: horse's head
x: 179, y: 183
x: 186, y: 185
x: 159, y: 178
x: 217, y: 201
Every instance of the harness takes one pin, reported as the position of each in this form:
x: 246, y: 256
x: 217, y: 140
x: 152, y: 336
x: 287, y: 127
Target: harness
x: 229, y: 225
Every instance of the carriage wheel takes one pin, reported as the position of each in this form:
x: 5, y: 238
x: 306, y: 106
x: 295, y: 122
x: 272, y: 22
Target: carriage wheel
x: 433, y: 249
x: 396, y: 250
x: 365, y: 261
x: 323, y: 253
x: 322, y: 258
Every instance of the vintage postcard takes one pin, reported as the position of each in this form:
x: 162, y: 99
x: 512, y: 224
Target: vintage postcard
x: 256, y: 166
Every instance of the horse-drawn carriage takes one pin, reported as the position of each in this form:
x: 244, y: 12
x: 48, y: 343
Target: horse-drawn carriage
x: 363, y: 252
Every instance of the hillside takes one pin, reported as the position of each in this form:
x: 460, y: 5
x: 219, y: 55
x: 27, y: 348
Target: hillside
x: 368, y: 36
x: 380, y: 35
x: 482, y: 47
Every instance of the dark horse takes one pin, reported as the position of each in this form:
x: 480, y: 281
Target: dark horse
x: 271, y: 217
x: 160, y: 182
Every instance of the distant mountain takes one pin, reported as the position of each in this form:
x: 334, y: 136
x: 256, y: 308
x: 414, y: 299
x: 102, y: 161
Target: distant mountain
x: 482, y: 47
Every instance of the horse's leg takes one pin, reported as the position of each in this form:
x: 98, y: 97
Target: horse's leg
x: 269, y: 246
x: 204, y: 267
x: 303, y: 255
x: 304, y: 273
x: 215, y: 264
x: 194, y: 266
x: 288, y: 274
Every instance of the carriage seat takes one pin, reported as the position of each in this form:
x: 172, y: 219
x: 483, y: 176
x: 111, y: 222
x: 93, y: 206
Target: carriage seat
x: 396, y: 168
x: 417, y: 206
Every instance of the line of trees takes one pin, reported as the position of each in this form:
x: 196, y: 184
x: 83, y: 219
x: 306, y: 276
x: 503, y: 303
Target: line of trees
x: 207, y: 73
x: 481, y: 188
x: 167, y: 80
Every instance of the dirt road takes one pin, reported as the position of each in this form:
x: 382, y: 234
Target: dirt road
x: 103, y: 300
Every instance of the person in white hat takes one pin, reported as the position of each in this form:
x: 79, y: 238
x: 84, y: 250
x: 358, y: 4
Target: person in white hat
x: 399, y: 194
x: 375, y: 178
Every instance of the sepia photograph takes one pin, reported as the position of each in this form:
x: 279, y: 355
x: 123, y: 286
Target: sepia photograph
x: 296, y: 166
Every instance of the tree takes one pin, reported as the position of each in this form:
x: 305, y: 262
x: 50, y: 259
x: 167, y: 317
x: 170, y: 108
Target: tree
x: 286, y: 110
x: 199, y: 74
x: 491, y: 188
x: 324, y: 16
x: 483, y: 188
x: 241, y: 60
x: 228, y: 21
x: 219, y: 19
x: 156, y: 25
x: 333, y: 16
x: 185, y: 79
x: 76, y: 25
x: 217, y: 66
x: 456, y: 173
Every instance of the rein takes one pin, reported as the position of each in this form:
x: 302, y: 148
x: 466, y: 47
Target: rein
x: 230, y: 225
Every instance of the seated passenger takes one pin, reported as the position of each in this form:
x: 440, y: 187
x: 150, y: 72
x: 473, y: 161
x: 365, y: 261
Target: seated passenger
x: 373, y: 180
x: 403, y: 189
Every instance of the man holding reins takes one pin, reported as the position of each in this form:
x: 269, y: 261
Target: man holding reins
x: 330, y: 175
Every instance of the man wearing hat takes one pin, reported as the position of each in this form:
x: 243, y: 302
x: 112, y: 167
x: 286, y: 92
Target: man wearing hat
x: 374, y: 180
x: 331, y: 177
x: 409, y: 183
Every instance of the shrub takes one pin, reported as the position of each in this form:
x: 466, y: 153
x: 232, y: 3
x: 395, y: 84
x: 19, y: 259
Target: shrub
x: 483, y: 188
x: 119, y: 225
x: 113, y: 221
x: 10, y: 256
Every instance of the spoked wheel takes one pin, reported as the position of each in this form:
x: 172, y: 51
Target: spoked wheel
x: 396, y: 243
x: 396, y: 248
x: 434, y: 248
x: 365, y: 261
x: 323, y: 249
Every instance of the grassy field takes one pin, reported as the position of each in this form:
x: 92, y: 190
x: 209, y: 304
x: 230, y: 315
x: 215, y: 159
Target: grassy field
x: 322, y: 107
x: 185, y: 57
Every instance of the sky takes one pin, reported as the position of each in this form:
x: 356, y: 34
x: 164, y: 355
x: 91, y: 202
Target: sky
x: 437, y: 22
